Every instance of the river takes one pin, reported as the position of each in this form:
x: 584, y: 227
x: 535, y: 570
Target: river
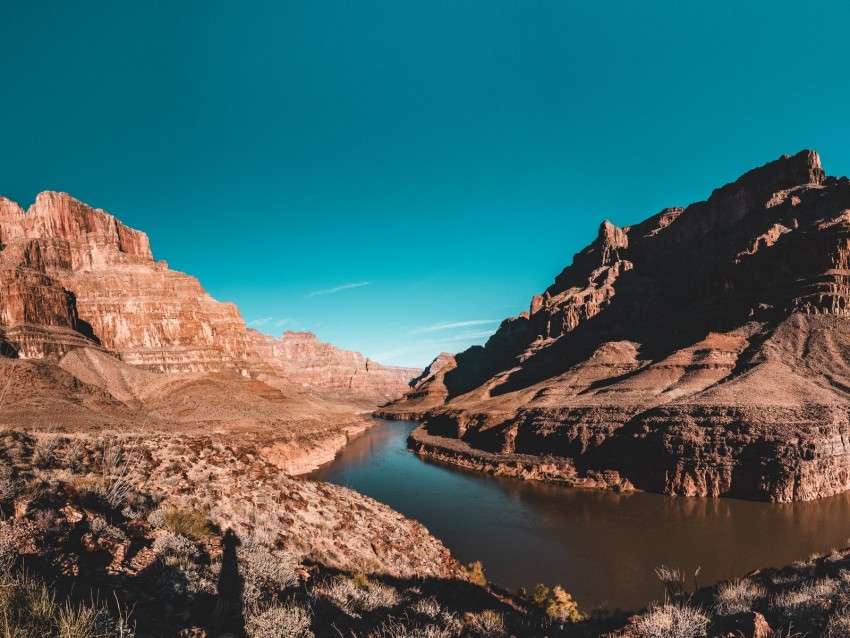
x: 601, y: 546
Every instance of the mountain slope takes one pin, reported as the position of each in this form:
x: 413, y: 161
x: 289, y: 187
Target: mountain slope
x: 704, y: 351
x: 304, y: 360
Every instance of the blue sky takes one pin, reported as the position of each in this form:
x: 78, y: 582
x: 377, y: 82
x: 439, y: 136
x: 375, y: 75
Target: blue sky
x: 398, y: 176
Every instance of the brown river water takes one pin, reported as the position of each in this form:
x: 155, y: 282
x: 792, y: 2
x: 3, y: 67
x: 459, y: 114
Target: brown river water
x: 601, y: 546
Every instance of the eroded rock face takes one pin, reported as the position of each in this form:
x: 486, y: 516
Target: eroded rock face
x: 304, y: 360
x: 72, y: 275
x: 703, y: 351
x: 69, y: 273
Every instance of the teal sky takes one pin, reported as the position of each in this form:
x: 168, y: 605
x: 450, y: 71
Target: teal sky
x: 399, y: 175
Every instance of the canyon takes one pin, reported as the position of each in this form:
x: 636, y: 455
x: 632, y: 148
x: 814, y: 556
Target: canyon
x: 302, y: 359
x: 701, y: 352
x: 96, y: 333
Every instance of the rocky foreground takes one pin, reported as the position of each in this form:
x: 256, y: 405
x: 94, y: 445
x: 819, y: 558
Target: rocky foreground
x: 702, y: 352
x: 123, y: 536
x: 120, y: 535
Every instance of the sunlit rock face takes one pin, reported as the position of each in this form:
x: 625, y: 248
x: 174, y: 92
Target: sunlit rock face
x: 71, y: 272
x: 302, y: 359
x: 703, y: 351
x: 72, y: 275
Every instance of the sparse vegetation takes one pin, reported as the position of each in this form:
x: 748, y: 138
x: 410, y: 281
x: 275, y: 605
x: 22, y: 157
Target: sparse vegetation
x: 282, y: 621
x: 671, y: 620
x: 738, y: 596
x: 475, y: 573
x: 192, y: 525
x: 29, y: 610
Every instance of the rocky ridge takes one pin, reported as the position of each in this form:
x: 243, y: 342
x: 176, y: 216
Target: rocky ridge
x: 701, y: 352
x: 304, y: 360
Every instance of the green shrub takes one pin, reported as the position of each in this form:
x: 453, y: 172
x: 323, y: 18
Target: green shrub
x: 540, y: 598
x: 475, y: 573
x: 192, y: 525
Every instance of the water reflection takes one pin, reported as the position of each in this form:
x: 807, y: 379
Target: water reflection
x: 601, y: 546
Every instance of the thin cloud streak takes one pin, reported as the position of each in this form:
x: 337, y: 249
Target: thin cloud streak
x: 433, y: 346
x: 330, y: 291
x: 453, y: 324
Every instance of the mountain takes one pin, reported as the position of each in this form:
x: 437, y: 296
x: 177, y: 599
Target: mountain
x: 704, y: 351
x: 95, y: 333
x: 304, y: 360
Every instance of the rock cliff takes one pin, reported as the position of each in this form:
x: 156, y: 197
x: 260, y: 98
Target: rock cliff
x: 71, y: 274
x: 95, y: 333
x: 304, y: 360
x: 703, y: 351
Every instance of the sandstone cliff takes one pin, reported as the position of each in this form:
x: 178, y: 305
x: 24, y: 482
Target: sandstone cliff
x: 95, y: 333
x: 71, y: 272
x: 703, y: 351
x: 74, y: 276
x: 304, y: 360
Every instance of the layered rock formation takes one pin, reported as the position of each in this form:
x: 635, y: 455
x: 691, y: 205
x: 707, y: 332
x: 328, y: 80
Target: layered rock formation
x: 94, y: 333
x: 71, y: 274
x: 304, y: 360
x: 703, y: 351
x: 428, y: 391
x: 74, y: 276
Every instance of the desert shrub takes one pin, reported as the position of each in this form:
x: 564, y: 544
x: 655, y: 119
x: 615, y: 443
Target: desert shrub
x: 265, y: 526
x: 181, y: 578
x: 352, y: 597
x: 670, y: 621
x: 73, y: 455
x: 429, y: 607
x: 44, y: 522
x: 8, y: 548
x: 282, y: 621
x: 265, y: 572
x: 397, y: 629
x: 187, y: 523
x: 28, y: 606
x: 100, y: 527
x: 562, y: 606
x: 673, y: 580
x: 540, y: 597
x: 475, y: 573
x: 488, y: 624
x: 175, y: 545
x: 736, y: 596
x: 45, y: 452
x: 808, y: 600
x: 10, y: 486
x: 15, y: 446
x: 839, y: 624
x: 118, y: 466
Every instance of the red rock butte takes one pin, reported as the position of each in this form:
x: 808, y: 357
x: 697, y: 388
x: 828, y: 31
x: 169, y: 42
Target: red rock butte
x: 80, y: 289
x: 704, y: 351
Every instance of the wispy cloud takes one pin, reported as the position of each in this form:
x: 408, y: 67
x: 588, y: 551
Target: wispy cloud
x: 449, y: 325
x: 330, y: 291
x: 422, y: 352
x: 258, y: 323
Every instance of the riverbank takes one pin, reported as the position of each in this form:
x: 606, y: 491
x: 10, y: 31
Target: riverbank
x: 551, y: 469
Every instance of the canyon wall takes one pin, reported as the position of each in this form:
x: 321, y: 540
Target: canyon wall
x: 74, y: 276
x: 304, y: 360
x: 704, y: 351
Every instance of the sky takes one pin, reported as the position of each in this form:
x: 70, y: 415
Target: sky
x: 399, y: 176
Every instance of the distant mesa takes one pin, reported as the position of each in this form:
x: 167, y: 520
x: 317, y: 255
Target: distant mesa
x: 704, y: 351
x: 301, y: 358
